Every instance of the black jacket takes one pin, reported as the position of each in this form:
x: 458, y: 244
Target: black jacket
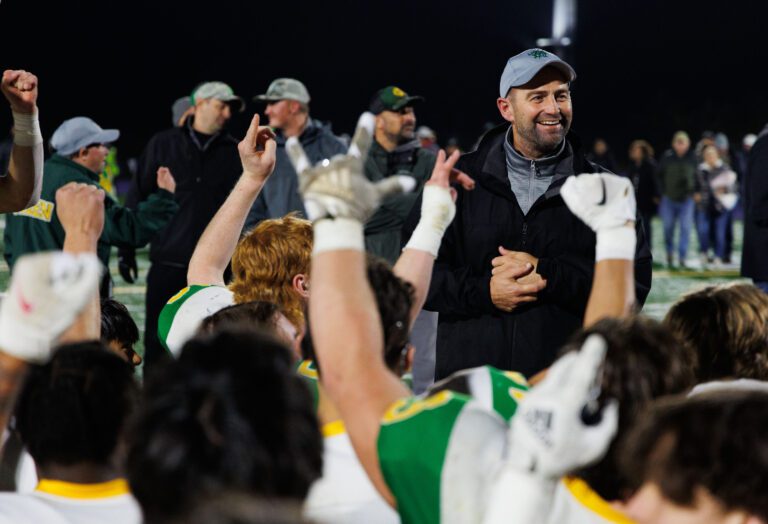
x: 280, y: 194
x: 205, y: 174
x: 754, y: 259
x: 471, y: 330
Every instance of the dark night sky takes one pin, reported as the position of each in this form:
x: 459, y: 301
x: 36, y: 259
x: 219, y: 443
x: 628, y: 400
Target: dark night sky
x: 645, y: 67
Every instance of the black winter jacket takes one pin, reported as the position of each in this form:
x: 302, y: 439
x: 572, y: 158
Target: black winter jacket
x: 471, y: 330
x: 754, y: 259
x: 205, y: 174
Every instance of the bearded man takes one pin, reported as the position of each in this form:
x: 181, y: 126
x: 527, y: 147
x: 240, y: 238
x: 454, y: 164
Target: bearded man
x: 516, y: 219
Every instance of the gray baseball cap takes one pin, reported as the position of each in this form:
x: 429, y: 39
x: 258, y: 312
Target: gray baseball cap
x: 520, y: 69
x: 285, y: 89
x: 79, y: 132
x: 218, y: 91
x: 179, y: 107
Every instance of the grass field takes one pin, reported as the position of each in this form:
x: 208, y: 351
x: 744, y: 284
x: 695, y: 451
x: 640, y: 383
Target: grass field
x: 667, y: 286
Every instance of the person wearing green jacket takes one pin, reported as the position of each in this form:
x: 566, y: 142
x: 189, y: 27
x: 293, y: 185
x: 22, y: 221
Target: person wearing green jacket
x: 80, y: 155
x: 395, y: 151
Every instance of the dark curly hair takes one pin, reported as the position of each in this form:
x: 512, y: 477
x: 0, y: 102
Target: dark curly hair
x: 644, y: 361
x: 230, y: 413
x: 394, y: 299
x: 258, y: 314
x: 718, y: 441
x: 74, y: 408
x: 727, y: 325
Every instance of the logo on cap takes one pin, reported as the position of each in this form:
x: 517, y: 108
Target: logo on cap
x: 538, y: 53
x: 398, y: 92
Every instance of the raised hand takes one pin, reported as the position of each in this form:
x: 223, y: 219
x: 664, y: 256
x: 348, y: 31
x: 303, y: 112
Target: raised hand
x: 605, y: 203
x: 550, y: 434
x: 20, y: 89
x: 80, y: 208
x: 47, y: 292
x: 600, y: 200
x: 257, y: 151
x: 337, y: 188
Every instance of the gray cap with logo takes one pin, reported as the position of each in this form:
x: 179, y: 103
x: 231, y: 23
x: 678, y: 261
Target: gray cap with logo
x: 217, y: 91
x: 79, y: 132
x: 285, y: 89
x: 520, y: 69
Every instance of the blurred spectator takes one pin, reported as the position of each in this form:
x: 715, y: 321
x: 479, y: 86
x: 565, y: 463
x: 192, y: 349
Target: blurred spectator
x: 395, y: 151
x: 755, y: 254
x: 204, y: 156
x: 428, y: 139
x: 707, y: 139
x: 287, y: 102
x: 723, y: 146
x: 452, y: 145
x: 677, y: 172
x: 80, y: 156
x: 601, y: 154
x: 642, y: 172
x: 181, y: 109
x: 715, y: 199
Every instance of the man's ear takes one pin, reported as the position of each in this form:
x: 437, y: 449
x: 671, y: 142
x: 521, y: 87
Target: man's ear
x: 300, y: 283
x: 505, y: 108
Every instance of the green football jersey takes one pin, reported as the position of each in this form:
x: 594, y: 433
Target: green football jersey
x: 307, y: 370
x: 184, y: 312
x: 436, y: 452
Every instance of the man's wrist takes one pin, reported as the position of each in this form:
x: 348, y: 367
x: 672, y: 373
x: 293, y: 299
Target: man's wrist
x: 80, y: 242
x: 26, y: 128
x: 338, y: 234
x: 617, y: 243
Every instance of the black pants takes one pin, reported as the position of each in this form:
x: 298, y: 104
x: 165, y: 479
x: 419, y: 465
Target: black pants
x: 163, y: 282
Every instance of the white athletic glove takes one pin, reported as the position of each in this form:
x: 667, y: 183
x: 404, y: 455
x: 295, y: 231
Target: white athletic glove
x: 47, y: 292
x: 549, y: 436
x: 337, y: 189
x: 606, y: 203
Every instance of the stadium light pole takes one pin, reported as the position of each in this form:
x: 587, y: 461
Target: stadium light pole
x: 563, y: 28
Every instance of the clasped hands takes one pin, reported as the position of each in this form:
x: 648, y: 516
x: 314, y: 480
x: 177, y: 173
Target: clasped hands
x: 514, y: 279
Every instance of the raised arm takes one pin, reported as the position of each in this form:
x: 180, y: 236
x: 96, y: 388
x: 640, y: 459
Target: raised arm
x: 438, y: 208
x: 606, y: 203
x: 80, y: 208
x: 20, y: 187
x: 52, y: 295
x: 345, y: 323
x: 217, y: 244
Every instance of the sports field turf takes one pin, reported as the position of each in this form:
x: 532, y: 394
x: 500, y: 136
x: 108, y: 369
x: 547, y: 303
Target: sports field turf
x: 667, y: 286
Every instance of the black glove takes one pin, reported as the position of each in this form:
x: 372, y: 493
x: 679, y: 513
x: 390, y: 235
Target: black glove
x: 126, y: 263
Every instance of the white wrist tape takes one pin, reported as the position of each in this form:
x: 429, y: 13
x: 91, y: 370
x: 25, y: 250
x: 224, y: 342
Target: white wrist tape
x: 437, y: 211
x: 26, y: 129
x: 616, y: 243
x: 338, y: 234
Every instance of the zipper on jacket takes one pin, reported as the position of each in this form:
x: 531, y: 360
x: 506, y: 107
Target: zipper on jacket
x: 524, y: 235
x: 531, y: 184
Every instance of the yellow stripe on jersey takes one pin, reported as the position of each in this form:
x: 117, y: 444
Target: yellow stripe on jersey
x: 178, y: 295
x: 334, y: 428
x: 408, y: 407
x: 72, y: 490
x: 305, y: 369
x: 594, y: 502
